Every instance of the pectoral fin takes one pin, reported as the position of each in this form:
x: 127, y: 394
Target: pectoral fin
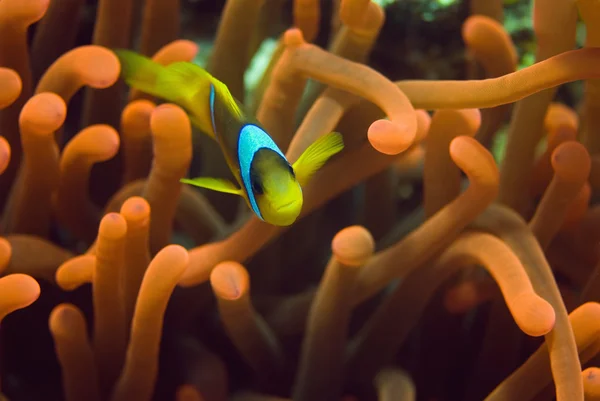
x: 316, y: 155
x: 215, y: 184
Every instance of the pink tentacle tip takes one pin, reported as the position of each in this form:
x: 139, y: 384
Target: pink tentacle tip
x: 110, y: 69
x: 64, y: 318
x: 11, y: 86
x: 173, y: 255
x: 112, y: 226
x: 20, y: 290
x: 4, y: 154
x: 473, y: 118
x: 43, y: 113
x: 571, y: 160
x: 229, y: 280
x: 164, y: 115
x: 136, y: 209
x: 534, y: 315
x: 390, y: 137
x: 353, y: 246
x: 293, y: 37
x: 27, y: 12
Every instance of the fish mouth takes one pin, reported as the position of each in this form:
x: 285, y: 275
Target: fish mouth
x: 286, y: 206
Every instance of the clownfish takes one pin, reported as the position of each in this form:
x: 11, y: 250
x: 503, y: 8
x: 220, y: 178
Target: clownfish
x: 270, y: 185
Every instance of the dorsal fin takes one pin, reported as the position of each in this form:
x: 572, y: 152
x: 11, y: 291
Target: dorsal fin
x: 184, y: 79
x: 191, y: 80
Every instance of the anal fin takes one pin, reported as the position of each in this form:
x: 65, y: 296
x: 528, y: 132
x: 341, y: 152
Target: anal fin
x: 215, y: 184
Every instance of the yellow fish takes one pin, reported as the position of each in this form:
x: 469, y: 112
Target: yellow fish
x: 271, y: 186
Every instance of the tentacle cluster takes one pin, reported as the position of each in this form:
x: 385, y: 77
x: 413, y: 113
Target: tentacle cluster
x: 144, y: 284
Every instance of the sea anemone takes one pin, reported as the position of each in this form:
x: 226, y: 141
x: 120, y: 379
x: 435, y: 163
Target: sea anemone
x: 421, y: 266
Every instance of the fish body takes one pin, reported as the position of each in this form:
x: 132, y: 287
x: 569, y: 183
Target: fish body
x: 270, y: 185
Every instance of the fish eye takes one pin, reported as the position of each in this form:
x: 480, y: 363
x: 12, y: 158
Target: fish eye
x: 257, y: 188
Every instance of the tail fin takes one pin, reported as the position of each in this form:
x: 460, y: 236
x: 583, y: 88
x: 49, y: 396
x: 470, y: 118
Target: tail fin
x: 181, y: 83
x: 140, y: 72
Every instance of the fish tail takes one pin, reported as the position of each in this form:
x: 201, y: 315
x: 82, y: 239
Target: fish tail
x: 181, y: 83
x: 140, y: 72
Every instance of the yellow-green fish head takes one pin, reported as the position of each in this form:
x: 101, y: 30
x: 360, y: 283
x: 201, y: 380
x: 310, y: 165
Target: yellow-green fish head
x: 277, y: 191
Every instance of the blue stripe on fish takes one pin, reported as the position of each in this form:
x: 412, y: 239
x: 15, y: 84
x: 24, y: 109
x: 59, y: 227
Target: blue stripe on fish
x: 251, y: 139
x: 211, y: 102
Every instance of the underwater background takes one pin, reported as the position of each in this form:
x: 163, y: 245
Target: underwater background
x: 450, y: 252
